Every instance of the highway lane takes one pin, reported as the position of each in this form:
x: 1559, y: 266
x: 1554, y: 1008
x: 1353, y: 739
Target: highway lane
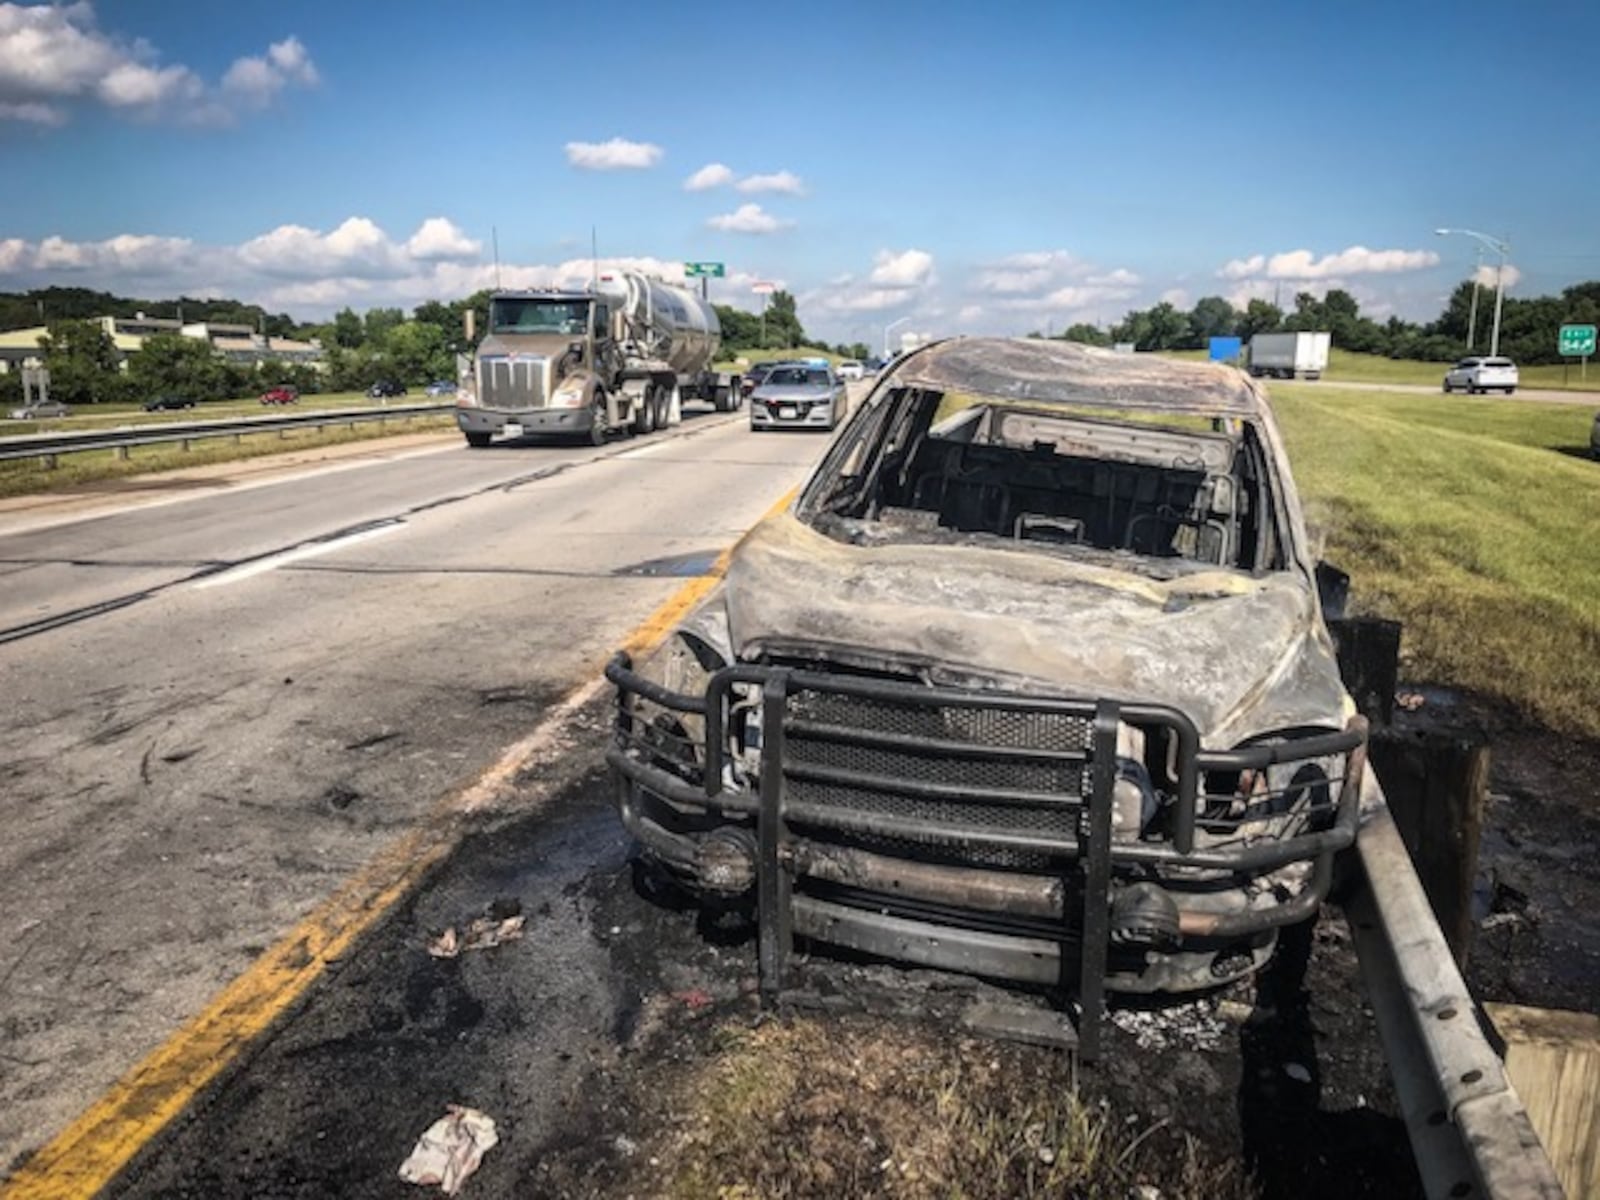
x: 189, y: 772
x: 1545, y: 395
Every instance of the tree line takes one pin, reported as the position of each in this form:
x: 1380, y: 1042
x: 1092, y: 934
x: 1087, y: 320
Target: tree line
x: 1527, y: 326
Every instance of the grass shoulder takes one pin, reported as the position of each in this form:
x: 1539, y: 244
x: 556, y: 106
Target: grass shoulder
x: 1474, y: 521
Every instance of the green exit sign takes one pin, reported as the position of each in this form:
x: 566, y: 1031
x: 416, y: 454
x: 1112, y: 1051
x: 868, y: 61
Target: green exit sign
x: 1576, y: 341
x: 698, y: 270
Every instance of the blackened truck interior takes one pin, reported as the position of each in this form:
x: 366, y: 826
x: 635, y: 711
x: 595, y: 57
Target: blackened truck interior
x: 1092, y: 484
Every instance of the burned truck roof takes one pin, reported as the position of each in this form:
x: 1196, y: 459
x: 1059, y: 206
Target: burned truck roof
x: 1042, y: 371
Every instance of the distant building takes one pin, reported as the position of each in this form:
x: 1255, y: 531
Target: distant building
x: 237, y: 343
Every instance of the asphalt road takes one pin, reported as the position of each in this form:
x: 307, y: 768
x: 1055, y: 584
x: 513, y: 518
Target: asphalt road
x: 220, y: 707
x: 1548, y: 395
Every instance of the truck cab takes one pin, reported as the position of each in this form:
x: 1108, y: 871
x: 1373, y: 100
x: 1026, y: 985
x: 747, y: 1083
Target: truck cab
x: 539, y: 367
x: 622, y: 356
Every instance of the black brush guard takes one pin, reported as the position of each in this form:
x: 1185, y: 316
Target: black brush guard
x: 865, y: 799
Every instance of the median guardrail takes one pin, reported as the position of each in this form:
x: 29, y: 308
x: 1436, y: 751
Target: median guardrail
x: 49, y: 446
x: 1470, y: 1134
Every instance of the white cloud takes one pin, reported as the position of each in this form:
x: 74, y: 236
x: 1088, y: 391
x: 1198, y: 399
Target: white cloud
x: 34, y: 112
x: 749, y: 218
x: 618, y: 154
x: 712, y: 175
x: 899, y: 279
x: 1027, y: 273
x: 1043, y: 287
x: 255, y: 80
x: 54, y: 55
x: 1177, y: 297
x: 134, y: 85
x: 441, y: 238
x: 907, y: 269
x: 1305, y: 265
x: 778, y: 181
x: 1486, y: 276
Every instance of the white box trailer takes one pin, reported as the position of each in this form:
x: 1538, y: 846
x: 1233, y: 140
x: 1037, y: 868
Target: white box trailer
x: 1290, y: 355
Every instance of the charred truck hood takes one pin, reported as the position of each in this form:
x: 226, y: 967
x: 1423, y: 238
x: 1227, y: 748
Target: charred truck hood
x: 973, y: 616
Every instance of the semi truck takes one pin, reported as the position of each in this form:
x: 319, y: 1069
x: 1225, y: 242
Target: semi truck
x: 1289, y: 355
x: 621, y: 355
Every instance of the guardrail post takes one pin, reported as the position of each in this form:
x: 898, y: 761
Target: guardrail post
x: 1434, y: 767
x: 1437, y: 780
x: 184, y: 445
x: 122, y: 453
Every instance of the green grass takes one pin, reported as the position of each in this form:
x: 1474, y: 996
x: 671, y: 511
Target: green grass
x: 809, y: 1108
x: 755, y: 356
x: 1474, y: 521
x: 30, y: 477
x: 111, y: 416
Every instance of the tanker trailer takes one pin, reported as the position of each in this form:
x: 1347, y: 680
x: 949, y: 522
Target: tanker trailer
x: 622, y: 355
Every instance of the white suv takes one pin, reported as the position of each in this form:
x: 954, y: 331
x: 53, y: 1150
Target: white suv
x: 850, y: 369
x: 1482, y: 375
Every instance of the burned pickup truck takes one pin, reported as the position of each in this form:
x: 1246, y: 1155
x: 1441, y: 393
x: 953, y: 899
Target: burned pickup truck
x: 1031, y: 683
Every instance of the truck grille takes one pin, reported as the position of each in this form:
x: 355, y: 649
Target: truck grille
x: 951, y: 765
x: 511, y: 384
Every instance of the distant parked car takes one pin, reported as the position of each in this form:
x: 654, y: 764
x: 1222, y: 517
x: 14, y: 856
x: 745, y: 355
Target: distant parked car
x: 442, y: 387
x: 1482, y: 375
x: 164, y: 403
x: 280, y: 395
x: 850, y: 369
x: 386, y: 387
x: 42, y: 408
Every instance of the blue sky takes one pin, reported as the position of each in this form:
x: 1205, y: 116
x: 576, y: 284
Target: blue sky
x: 996, y: 167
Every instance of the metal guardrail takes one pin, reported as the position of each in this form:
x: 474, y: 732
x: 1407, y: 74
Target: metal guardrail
x: 49, y: 446
x: 1470, y: 1133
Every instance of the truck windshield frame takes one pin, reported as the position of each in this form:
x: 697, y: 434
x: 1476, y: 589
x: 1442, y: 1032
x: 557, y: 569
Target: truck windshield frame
x: 537, y: 315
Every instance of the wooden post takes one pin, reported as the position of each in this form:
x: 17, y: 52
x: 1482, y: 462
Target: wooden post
x: 1369, y: 662
x: 1436, y: 778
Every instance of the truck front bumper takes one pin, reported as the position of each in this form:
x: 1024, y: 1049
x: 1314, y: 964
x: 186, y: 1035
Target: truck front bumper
x: 972, y: 831
x: 534, y: 420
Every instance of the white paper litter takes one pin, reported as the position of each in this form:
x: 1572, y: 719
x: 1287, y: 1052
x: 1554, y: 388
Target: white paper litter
x: 479, y: 935
x: 450, y: 1149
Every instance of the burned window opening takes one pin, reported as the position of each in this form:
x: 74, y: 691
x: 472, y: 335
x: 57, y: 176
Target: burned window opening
x: 1086, y: 485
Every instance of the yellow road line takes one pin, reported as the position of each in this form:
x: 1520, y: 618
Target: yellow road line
x: 87, y: 1155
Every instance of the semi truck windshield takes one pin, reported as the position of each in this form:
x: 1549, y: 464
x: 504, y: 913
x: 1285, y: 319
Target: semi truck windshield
x: 539, y: 316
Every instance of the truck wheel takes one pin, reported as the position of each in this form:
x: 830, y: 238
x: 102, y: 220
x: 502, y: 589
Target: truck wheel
x: 597, y: 426
x: 724, y: 399
x: 478, y: 439
x: 663, y: 406
x: 644, y: 413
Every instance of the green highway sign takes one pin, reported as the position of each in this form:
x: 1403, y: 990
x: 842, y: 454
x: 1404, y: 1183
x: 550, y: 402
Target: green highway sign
x: 699, y: 270
x: 1576, y: 341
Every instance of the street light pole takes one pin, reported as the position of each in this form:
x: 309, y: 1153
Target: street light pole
x: 1472, y: 320
x: 1503, y: 249
x: 886, y: 329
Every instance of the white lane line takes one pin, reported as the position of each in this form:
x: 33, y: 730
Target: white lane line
x: 649, y: 448
x: 273, y: 561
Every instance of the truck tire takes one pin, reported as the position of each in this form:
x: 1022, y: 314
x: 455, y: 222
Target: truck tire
x: 478, y: 438
x: 645, y: 415
x: 724, y: 399
x: 663, y: 406
x: 597, y: 427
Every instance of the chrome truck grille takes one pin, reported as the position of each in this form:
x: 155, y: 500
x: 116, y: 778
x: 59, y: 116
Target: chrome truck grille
x: 511, y: 384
